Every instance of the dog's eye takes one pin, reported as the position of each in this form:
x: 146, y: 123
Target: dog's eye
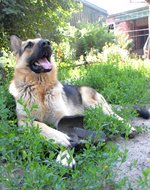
x: 29, y: 45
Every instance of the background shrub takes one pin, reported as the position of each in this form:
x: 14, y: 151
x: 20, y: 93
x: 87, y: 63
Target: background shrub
x: 91, y: 36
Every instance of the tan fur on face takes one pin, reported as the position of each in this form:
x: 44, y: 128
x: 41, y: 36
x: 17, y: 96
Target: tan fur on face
x: 21, y: 60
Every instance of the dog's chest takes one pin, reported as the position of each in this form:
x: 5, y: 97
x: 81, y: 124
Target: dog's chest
x: 56, y: 107
x: 30, y: 97
x: 59, y: 105
x: 27, y: 92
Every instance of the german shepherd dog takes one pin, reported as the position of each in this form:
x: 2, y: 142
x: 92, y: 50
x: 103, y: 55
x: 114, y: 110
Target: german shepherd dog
x: 35, y: 82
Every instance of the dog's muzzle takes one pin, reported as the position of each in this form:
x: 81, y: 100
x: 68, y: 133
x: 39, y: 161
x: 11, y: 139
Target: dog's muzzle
x: 40, y: 60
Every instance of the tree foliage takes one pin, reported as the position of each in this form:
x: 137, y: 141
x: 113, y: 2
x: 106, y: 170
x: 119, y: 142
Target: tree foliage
x: 28, y: 17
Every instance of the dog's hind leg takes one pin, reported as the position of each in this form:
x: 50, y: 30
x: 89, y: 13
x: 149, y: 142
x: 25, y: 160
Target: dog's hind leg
x: 91, y: 98
x: 143, y: 112
x: 108, y: 110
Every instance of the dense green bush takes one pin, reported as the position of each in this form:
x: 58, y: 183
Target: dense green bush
x: 79, y: 41
x: 120, y: 85
x: 91, y: 36
x: 123, y: 40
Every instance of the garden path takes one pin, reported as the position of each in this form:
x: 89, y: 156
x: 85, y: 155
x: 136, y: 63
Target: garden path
x: 138, y: 156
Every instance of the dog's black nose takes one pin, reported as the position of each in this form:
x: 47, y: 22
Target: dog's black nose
x: 44, y: 43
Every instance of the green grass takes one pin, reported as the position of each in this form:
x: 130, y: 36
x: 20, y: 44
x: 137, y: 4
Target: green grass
x: 28, y: 160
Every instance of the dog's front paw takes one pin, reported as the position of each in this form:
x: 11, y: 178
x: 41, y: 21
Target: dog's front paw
x: 132, y: 133
x: 64, y: 140
x: 66, y: 159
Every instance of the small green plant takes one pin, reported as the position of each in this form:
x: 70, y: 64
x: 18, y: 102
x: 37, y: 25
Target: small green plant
x: 143, y: 181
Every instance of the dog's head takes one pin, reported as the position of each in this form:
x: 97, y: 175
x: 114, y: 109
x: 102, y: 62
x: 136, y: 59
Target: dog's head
x: 34, y: 54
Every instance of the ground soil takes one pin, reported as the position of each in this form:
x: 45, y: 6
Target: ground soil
x: 138, y: 156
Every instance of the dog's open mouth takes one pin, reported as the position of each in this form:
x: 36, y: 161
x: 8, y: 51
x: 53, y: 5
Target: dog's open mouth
x: 41, y: 65
x: 45, y: 63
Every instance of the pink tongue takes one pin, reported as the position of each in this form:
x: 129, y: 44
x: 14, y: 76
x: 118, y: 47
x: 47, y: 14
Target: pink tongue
x: 45, y: 63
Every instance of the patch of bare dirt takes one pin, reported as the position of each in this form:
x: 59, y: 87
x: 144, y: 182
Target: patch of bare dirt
x: 138, y: 156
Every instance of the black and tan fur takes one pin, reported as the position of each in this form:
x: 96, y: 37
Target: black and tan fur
x: 35, y: 81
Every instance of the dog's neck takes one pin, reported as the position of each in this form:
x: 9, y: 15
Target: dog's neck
x: 40, y: 83
x: 43, y: 79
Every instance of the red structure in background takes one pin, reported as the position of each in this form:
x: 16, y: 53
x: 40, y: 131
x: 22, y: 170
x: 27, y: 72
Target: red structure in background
x: 135, y: 24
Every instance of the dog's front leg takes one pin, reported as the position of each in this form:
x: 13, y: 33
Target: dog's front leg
x: 63, y: 158
x: 57, y: 136
x: 66, y: 159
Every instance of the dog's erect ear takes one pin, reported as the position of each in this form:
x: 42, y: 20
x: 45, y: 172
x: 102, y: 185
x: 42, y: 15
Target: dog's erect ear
x: 15, y: 43
x: 38, y: 36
